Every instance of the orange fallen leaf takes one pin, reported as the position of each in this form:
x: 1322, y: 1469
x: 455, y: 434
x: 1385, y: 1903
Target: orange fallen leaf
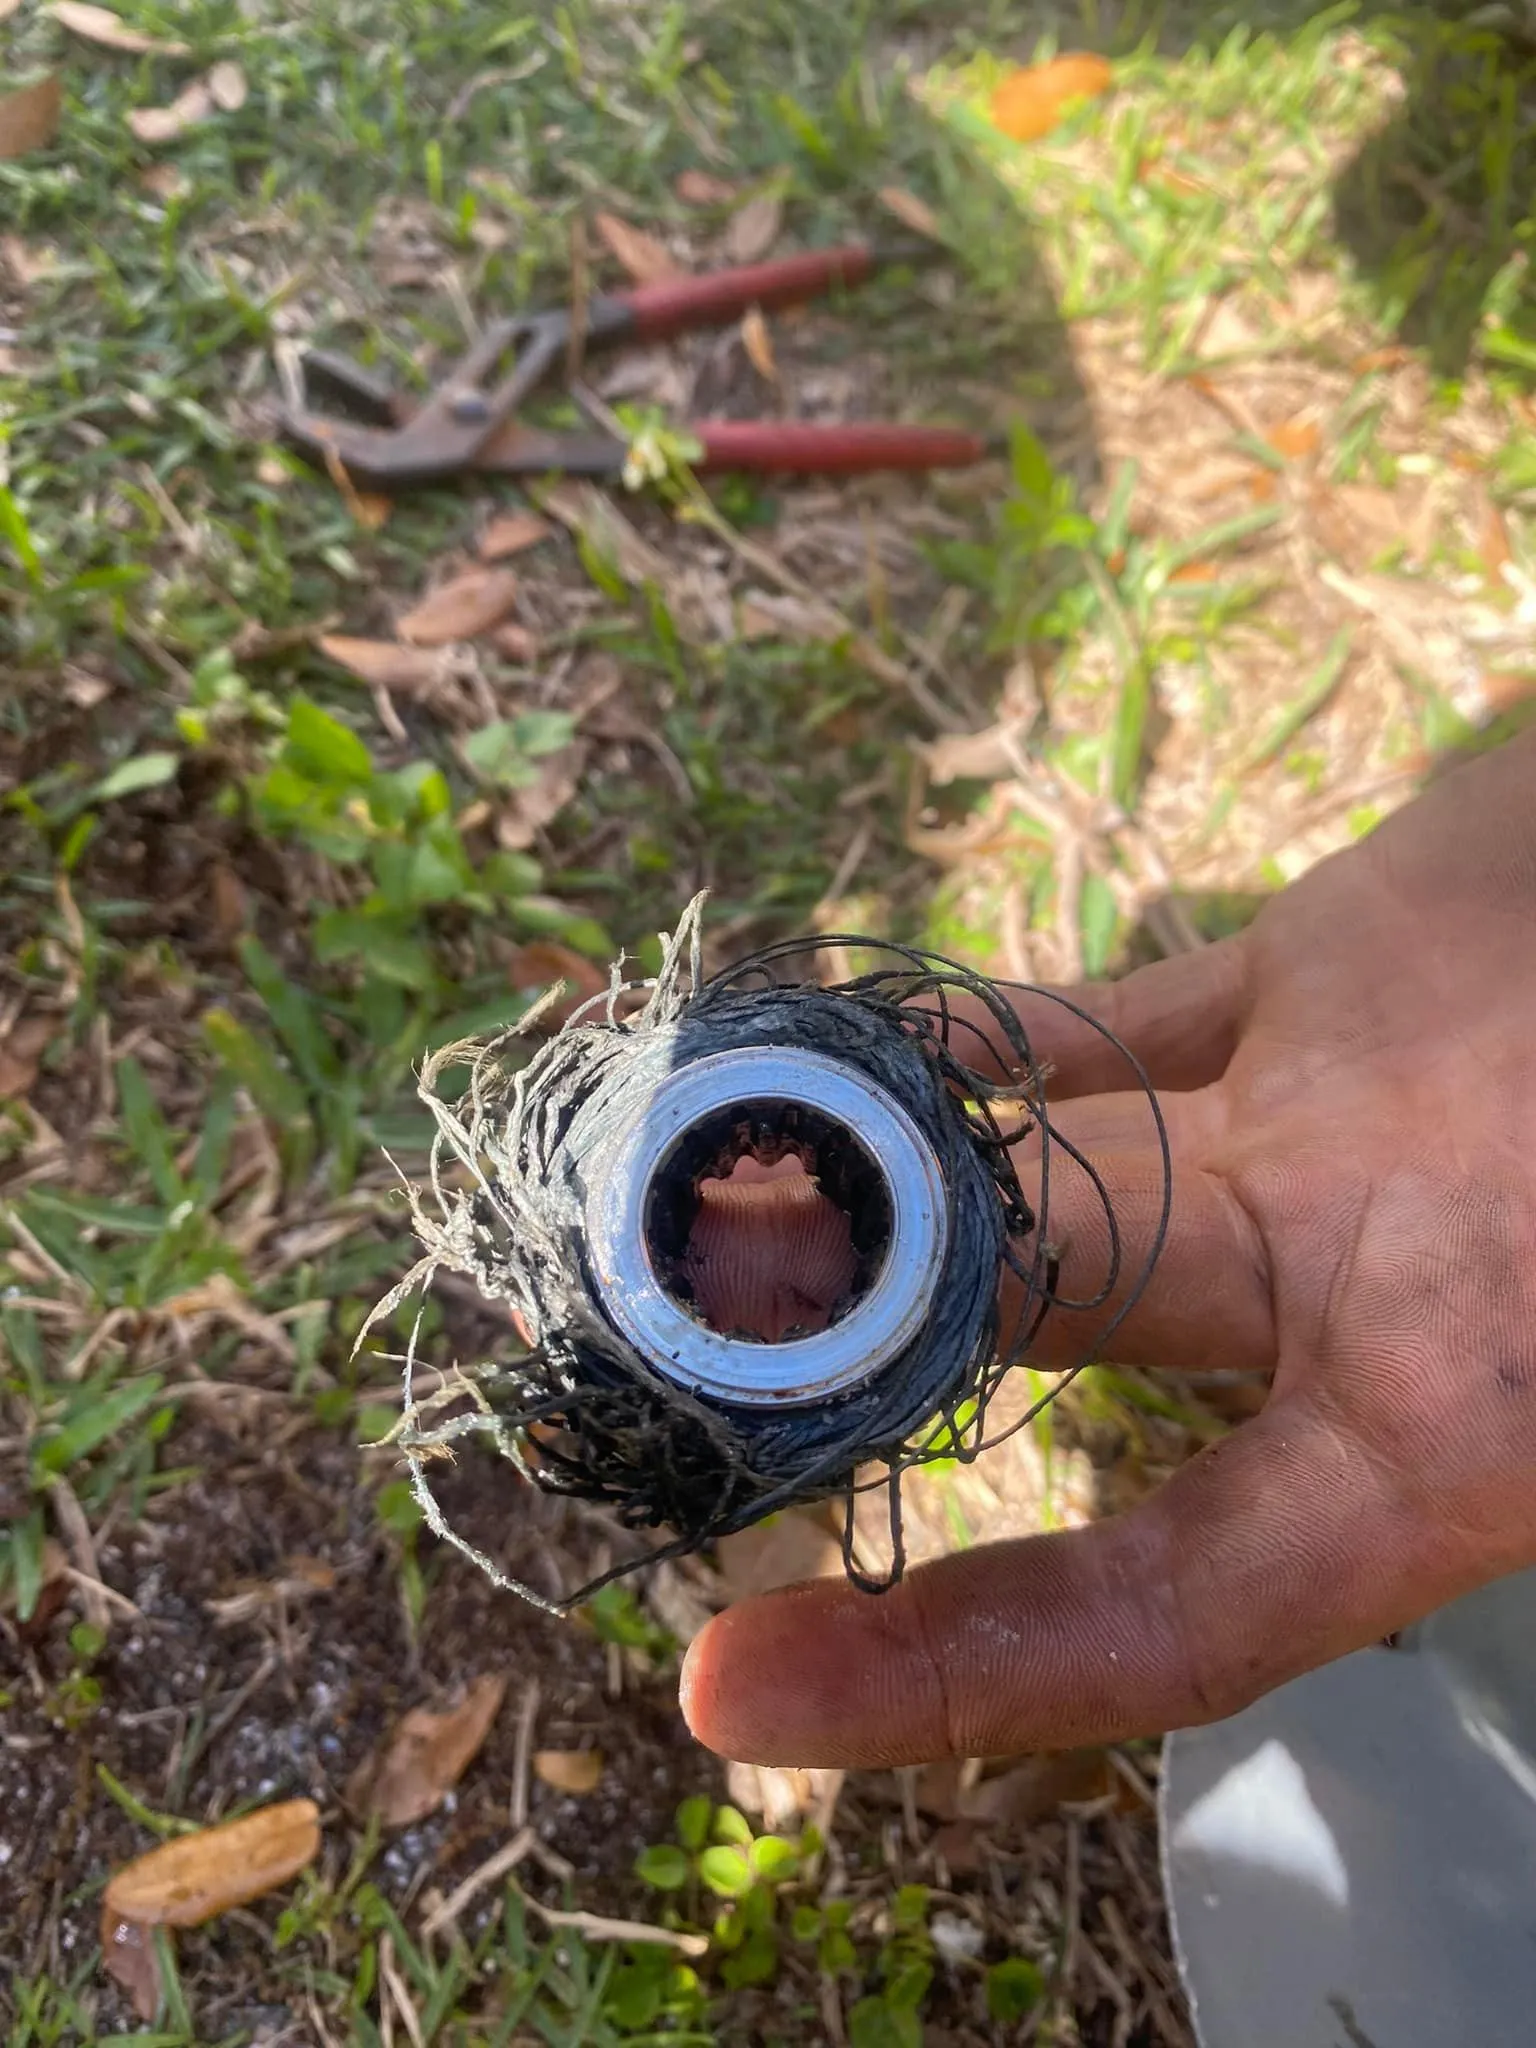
x: 646, y: 259
x: 186, y: 1881
x: 385, y: 664
x: 754, y: 228
x: 1196, y: 572
x: 758, y: 343
x: 101, y: 26
x: 164, y: 124
x: 511, y: 533
x: 1508, y: 689
x: 543, y: 963
x: 226, y: 83
x: 426, y: 1755
x: 569, y: 1770
x: 21, y: 1051
x: 29, y: 116
x: 698, y: 188
x: 470, y: 603
x: 1294, y: 439
x: 1168, y: 178
x: 1030, y: 103
x: 912, y: 212
x: 370, y: 509
x: 1391, y: 357
x: 128, y: 1952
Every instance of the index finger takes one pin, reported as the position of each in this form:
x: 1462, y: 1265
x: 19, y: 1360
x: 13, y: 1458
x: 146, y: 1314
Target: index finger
x: 1179, y: 1017
x: 1271, y: 1552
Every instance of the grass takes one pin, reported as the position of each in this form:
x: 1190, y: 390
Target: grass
x: 1260, y: 326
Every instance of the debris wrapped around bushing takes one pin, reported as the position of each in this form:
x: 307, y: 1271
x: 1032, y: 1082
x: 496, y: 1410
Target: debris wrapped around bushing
x: 642, y: 1429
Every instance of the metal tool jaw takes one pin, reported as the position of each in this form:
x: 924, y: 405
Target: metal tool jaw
x: 767, y: 1083
x: 385, y: 444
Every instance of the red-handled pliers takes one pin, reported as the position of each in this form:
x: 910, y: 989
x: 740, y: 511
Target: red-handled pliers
x: 469, y: 422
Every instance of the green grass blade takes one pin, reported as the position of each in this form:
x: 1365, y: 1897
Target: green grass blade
x: 295, y: 1018
x: 146, y: 1131
x: 102, y: 1418
x: 1311, y: 698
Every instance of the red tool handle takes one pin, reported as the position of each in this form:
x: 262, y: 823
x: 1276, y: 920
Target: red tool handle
x: 717, y: 296
x: 791, y: 447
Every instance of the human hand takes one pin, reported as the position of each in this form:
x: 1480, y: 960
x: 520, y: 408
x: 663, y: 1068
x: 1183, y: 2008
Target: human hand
x: 1350, y: 1091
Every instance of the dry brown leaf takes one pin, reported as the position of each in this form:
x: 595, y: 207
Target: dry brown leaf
x: 186, y: 1881
x: 543, y: 963
x: 468, y: 604
x: 699, y: 188
x: 515, y: 641
x: 758, y: 343
x: 101, y: 26
x: 1030, y: 103
x: 128, y: 1951
x: 646, y: 259
x: 782, y: 1794
x: 1356, y: 523
x: 510, y: 533
x: 1390, y: 358
x: 29, y: 117
x: 791, y: 1547
x: 1294, y: 439
x: 164, y: 124
x: 385, y: 664
x: 569, y: 1770
x: 21, y: 1052
x: 984, y: 756
x: 912, y: 212
x: 1036, y: 1787
x: 426, y: 1755
x: 226, y: 893
x: 226, y: 82
x: 754, y: 228
x: 527, y: 811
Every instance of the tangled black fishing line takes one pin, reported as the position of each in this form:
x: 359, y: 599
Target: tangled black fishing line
x: 752, y: 1231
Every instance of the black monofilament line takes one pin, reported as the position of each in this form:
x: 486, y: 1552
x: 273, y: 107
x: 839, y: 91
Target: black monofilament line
x: 583, y: 1413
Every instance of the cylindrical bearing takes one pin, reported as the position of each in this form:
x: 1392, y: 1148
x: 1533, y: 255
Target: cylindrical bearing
x: 767, y: 1083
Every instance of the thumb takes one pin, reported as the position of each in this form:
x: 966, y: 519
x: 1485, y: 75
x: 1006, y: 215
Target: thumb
x: 1272, y: 1552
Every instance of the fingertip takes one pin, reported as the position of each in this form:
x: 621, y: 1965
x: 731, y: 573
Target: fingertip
x: 738, y: 1667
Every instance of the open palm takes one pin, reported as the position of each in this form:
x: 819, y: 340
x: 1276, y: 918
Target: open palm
x: 1350, y: 1091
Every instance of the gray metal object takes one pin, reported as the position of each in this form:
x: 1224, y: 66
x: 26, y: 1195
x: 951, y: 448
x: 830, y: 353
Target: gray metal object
x: 883, y: 1322
x: 1351, y: 1863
